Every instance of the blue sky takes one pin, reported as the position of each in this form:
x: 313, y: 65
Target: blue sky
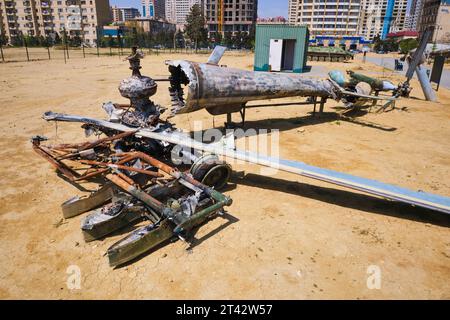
x: 266, y: 8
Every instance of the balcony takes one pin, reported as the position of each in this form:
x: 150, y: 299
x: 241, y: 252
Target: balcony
x: 10, y: 12
x: 73, y: 26
x: 29, y: 17
x: 27, y: 10
x: 10, y: 4
x: 45, y: 5
x: 27, y: 3
x: 45, y: 12
x: 28, y: 25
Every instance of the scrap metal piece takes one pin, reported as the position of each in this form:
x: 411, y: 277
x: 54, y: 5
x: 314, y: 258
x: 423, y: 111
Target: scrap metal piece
x: 110, y: 218
x: 76, y: 205
x: 216, y: 55
x: 138, y: 242
x: 209, y: 170
x: 416, y: 59
x: 138, y: 89
x: 224, y: 90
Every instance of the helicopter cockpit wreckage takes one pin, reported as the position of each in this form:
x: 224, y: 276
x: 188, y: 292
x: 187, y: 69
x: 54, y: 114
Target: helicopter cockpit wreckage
x: 133, y: 160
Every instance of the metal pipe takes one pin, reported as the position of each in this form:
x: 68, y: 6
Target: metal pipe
x: 428, y: 91
x: 221, y: 89
x: 119, y: 166
x: 141, y: 195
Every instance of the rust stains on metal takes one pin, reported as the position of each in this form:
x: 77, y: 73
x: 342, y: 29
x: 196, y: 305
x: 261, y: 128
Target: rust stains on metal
x: 214, y: 87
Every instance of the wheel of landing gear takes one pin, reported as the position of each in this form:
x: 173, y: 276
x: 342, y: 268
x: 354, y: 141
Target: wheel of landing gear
x: 210, y: 171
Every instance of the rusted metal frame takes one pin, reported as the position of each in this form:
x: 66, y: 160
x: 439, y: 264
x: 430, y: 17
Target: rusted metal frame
x: 103, y: 170
x: 181, y: 175
x: 153, y: 203
x: 108, y: 139
x: 61, y: 167
x: 90, y: 145
x: 124, y: 177
x: 119, y: 166
x: 73, y: 154
x: 65, y: 146
x: 220, y: 199
x: 152, y: 161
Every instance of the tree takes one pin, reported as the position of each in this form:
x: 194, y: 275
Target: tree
x: 407, y: 45
x: 195, y: 26
x: 237, y: 40
x: 75, y: 41
x: 248, y: 40
x: 57, y: 39
x: 3, y: 40
x: 384, y: 45
x: 179, y: 39
x: 228, y: 39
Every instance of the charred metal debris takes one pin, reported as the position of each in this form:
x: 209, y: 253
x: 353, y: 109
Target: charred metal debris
x: 132, y: 162
x: 137, y: 180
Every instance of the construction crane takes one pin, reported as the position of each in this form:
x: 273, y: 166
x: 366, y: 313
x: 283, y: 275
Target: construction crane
x: 220, y: 8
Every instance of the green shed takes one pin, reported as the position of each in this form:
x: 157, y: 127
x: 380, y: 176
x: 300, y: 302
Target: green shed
x: 281, y: 47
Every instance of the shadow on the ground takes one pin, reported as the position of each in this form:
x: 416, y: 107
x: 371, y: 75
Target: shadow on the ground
x: 343, y: 198
x: 286, y: 124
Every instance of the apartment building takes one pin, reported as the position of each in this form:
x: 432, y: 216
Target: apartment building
x: 413, y: 15
x: 326, y: 17
x: 150, y: 25
x: 50, y: 17
x: 122, y: 14
x: 177, y: 10
x: 379, y: 17
x: 155, y: 9
x: 436, y: 15
x: 330, y: 22
x: 230, y: 15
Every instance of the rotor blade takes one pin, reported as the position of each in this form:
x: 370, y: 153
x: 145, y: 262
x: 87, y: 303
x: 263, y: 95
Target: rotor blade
x: 417, y: 198
x: 216, y: 55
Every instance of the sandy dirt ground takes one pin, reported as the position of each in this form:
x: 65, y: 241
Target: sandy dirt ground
x: 285, y: 236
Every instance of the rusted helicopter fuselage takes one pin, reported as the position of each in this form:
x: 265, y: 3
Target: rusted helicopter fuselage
x: 220, y: 90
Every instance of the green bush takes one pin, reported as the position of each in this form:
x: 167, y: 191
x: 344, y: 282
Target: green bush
x: 407, y: 45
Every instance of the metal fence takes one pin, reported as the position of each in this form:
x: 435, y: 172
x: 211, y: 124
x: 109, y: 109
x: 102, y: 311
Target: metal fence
x: 23, y: 54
